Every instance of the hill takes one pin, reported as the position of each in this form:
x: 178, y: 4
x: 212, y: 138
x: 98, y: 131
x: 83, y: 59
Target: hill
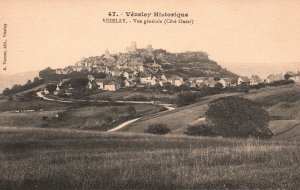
x: 282, y: 103
x: 194, y: 64
x: 154, y: 61
x: 145, y: 66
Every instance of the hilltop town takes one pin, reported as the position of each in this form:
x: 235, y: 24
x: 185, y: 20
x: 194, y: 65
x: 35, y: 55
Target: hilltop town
x: 147, y: 70
x: 149, y: 67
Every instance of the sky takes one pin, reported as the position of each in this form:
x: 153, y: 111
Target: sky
x: 247, y: 37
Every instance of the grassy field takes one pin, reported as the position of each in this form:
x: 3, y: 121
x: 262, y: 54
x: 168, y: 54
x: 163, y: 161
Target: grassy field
x: 72, y: 159
x: 64, y: 158
x: 36, y: 104
x: 282, y: 103
x: 130, y: 94
x: 29, y: 119
x: 98, y: 117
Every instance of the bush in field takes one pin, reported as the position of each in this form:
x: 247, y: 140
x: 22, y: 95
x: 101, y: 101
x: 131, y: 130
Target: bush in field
x: 51, y: 87
x: 199, y: 130
x: 281, y: 82
x: 157, y: 128
x: 245, y: 87
x: 218, y: 87
x: 186, y: 98
x: 238, y: 117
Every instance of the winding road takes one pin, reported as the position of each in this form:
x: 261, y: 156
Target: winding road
x: 169, y: 107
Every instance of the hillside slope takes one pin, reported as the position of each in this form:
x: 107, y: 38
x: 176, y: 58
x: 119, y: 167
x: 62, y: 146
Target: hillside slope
x: 272, y: 97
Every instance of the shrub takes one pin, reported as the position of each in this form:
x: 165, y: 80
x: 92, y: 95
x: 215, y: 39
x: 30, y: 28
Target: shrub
x: 218, y: 87
x: 51, y: 87
x: 157, y: 128
x: 199, y: 130
x: 186, y: 98
x: 281, y: 82
x: 238, y: 117
x: 245, y: 87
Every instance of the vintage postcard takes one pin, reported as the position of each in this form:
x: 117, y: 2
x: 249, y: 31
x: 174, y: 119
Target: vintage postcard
x: 144, y: 94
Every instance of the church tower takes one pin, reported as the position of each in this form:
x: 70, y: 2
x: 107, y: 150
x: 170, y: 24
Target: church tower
x: 133, y: 45
x: 106, y: 53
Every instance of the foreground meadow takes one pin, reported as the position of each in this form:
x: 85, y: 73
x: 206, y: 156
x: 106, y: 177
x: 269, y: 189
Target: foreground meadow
x: 72, y: 159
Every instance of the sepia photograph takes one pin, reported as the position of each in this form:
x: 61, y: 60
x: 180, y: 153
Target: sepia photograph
x: 144, y: 94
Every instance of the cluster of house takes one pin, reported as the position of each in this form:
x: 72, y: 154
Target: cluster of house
x: 129, y: 70
x: 129, y: 80
x: 294, y: 76
x: 134, y: 79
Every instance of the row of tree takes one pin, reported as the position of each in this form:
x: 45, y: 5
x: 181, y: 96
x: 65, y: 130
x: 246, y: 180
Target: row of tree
x: 20, y: 88
x: 50, y: 75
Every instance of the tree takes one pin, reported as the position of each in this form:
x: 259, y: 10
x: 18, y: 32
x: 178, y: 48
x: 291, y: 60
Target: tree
x: 36, y: 79
x: 79, y: 83
x: 47, y: 73
x: 238, y: 117
x: 28, y: 82
x: 287, y: 76
x: 186, y: 98
x: 99, y: 75
x: 16, y: 87
x: 157, y: 128
x: 218, y: 87
x: 6, y: 91
x: 245, y: 87
x: 217, y: 78
x: 50, y: 87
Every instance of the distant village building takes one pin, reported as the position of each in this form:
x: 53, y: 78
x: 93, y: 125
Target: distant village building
x: 196, y: 81
x: 274, y: 77
x: 100, y: 83
x: 164, y: 83
x: 132, y: 48
x: 91, y: 77
x: 210, y: 82
x: 136, y: 68
x: 155, y: 66
x: 243, y: 79
x: 148, y: 79
x: 111, y: 86
x: 129, y: 75
x: 150, y: 49
x: 254, y: 80
x: 106, y: 55
x: 226, y: 82
x: 295, y: 77
x: 116, y: 72
x: 127, y: 83
x: 175, y: 80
